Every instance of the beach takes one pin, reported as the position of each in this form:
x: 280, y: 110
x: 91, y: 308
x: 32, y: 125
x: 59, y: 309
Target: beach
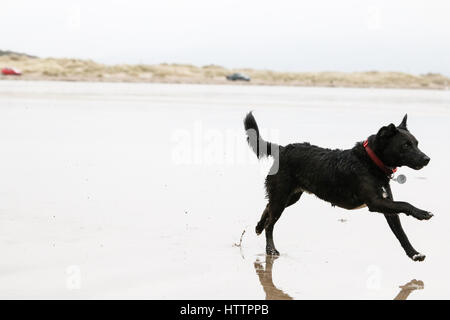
x: 144, y: 190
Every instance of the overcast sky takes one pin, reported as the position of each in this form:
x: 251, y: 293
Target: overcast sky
x: 321, y: 35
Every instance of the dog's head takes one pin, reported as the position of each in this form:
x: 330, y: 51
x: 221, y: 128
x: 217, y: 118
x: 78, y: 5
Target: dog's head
x: 398, y: 147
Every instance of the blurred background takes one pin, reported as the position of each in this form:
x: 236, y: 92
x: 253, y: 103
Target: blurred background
x: 325, y: 35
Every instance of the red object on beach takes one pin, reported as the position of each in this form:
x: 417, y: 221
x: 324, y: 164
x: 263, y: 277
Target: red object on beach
x: 11, y: 72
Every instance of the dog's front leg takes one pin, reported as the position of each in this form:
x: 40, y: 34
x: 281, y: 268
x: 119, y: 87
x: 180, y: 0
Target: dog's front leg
x: 396, y: 227
x: 388, y: 206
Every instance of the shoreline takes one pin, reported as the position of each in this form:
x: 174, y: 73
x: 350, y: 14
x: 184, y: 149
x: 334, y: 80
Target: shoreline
x: 219, y: 83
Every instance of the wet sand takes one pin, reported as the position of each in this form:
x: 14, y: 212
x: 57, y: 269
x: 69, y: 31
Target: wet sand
x: 114, y: 190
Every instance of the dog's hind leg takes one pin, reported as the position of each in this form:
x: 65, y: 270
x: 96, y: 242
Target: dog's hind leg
x: 294, y: 198
x: 276, y: 207
x: 275, y: 211
x: 262, y: 222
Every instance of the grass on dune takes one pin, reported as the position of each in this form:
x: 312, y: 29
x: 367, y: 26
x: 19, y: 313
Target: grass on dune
x: 88, y: 70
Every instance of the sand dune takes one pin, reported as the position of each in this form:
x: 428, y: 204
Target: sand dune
x: 34, y: 68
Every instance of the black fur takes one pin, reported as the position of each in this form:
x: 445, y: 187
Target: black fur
x: 346, y: 178
x: 258, y: 145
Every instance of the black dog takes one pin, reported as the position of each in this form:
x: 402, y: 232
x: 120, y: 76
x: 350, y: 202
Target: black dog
x: 350, y: 179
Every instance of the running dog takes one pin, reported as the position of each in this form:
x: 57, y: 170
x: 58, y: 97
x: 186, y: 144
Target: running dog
x: 350, y: 179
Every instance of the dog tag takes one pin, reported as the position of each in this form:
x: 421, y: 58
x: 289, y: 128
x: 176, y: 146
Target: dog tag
x: 385, y: 194
x: 400, y: 179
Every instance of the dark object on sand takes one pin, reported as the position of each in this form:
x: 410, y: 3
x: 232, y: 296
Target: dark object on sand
x: 237, y: 77
x: 350, y: 179
x: 11, y: 72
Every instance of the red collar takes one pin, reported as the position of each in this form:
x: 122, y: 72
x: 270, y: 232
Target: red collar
x: 377, y: 160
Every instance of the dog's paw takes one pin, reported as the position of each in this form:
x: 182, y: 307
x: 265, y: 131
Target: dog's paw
x: 418, y: 257
x: 428, y: 215
x: 272, y: 252
x: 422, y: 215
x: 259, y: 229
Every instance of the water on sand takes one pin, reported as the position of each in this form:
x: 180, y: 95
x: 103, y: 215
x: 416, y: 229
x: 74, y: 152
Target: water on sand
x: 144, y: 190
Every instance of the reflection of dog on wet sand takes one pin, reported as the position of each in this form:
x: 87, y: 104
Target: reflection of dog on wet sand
x: 265, y: 277
x: 350, y: 179
x: 273, y: 293
x: 408, y: 288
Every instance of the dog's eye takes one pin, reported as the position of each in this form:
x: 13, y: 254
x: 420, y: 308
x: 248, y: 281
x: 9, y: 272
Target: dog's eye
x: 406, y: 145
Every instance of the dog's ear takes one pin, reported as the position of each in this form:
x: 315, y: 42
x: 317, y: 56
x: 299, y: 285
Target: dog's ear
x: 403, y: 124
x: 387, y: 131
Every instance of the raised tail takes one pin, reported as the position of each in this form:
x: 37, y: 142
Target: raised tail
x: 259, y: 146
